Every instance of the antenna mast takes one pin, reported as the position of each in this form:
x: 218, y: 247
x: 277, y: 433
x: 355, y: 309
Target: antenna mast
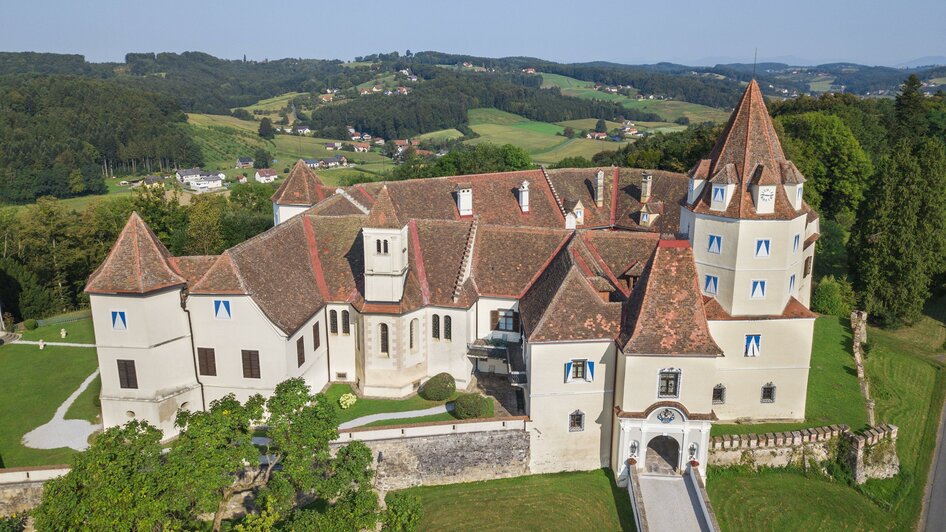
x: 755, y: 59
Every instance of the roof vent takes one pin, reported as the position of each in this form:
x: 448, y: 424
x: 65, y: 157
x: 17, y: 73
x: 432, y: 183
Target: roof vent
x: 599, y: 188
x: 465, y: 199
x: 524, y: 196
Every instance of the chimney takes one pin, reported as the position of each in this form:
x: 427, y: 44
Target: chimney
x: 647, y: 181
x: 599, y: 188
x: 524, y: 196
x: 465, y: 199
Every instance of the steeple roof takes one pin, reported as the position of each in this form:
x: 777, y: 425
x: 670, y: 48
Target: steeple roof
x: 383, y: 215
x: 137, y: 264
x: 301, y: 187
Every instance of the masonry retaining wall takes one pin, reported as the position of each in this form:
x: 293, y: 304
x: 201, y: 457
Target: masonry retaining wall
x: 21, y: 488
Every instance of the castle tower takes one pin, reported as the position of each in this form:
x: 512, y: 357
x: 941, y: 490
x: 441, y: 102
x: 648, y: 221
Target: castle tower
x: 385, y: 243
x: 751, y: 232
x: 142, y: 332
x: 301, y: 190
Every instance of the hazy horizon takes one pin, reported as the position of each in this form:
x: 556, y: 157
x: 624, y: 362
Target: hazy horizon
x: 687, y: 32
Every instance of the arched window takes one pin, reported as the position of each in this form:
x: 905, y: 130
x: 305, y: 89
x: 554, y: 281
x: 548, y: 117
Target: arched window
x: 385, y: 247
x: 346, y: 327
x: 435, y: 327
x: 447, y: 332
x: 333, y: 321
x: 384, y: 338
x: 576, y: 421
x: 413, y: 338
x: 377, y: 244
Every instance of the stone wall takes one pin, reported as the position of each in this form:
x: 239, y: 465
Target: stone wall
x: 870, y: 454
x: 20, y: 497
x: 449, y: 458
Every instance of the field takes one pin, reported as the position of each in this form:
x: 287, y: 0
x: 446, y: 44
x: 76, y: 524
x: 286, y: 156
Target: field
x: 908, y: 384
x: 561, y: 501
x: 36, y: 383
x: 540, y: 139
x: 834, y: 395
x: 274, y: 104
x: 443, y: 134
x: 821, y: 83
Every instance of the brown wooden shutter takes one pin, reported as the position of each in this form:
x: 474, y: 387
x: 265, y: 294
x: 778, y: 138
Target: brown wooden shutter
x: 127, y: 377
x: 494, y: 319
x: 251, y: 369
x: 515, y: 322
x: 300, y: 351
x: 316, y: 336
x: 206, y: 361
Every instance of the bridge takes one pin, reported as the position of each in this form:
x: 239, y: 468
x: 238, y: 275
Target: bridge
x: 670, y: 502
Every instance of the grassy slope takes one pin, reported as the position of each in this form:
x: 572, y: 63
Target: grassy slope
x: 443, y: 134
x: 833, y: 392
x: 273, y: 104
x: 562, y: 501
x: 908, y: 385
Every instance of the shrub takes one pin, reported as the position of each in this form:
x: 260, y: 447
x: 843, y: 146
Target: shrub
x: 834, y: 297
x: 470, y: 405
x: 439, y: 388
x: 403, y: 513
x: 347, y: 400
x: 30, y: 324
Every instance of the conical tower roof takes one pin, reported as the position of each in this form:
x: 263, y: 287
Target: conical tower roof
x: 301, y: 187
x: 383, y: 215
x: 137, y: 264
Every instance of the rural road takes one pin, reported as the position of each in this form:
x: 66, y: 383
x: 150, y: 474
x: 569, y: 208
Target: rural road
x: 935, y: 515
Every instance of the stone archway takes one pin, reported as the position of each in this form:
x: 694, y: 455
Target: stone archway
x: 663, y: 456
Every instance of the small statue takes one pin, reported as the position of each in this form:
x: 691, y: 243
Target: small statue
x: 42, y: 345
x: 62, y: 333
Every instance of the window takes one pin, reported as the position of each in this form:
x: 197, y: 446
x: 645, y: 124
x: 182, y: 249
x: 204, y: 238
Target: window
x: 578, y: 369
x: 250, y: 364
x: 791, y: 283
x: 300, y: 351
x: 346, y: 325
x: 384, y: 338
x: 206, y: 361
x: 435, y: 327
x: 758, y: 289
x: 576, y: 421
x: 385, y: 247
x: 505, y: 320
x: 796, y: 243
x: 808, y: 266
x: 645, y: 217
x: 719, y: 394
x: 581, y: 370
x: 763, y: 248
x: 711, y: 286
x: 377, y: 245
x: 715, y: 244
x: 341, y: 376
x: 798, y: 195
x: 447, y: 326
x: 413, y: 335
x: 768, y: 393
x: 221, y: 309
x: 719, y: 193
x: 753, y: 345
x: 333, y: 322
x: 316, y: 336
x: 119, y: 323
x: 127, y: 378
x: 668, y: 385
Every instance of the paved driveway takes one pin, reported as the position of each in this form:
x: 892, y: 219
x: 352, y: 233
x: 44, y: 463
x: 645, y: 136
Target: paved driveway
x: 670, y: 505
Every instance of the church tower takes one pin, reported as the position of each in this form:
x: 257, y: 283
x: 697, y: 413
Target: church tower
x: 385, y: 243
x: 752, y: 233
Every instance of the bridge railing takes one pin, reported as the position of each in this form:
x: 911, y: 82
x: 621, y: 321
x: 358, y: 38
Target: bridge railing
x: 637, y: 500
x: 705, y: 508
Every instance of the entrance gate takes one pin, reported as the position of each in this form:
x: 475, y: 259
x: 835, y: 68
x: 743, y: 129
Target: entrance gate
x: 663, y: 456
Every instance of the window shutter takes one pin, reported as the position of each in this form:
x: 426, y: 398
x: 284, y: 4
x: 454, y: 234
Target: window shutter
x: 316, y: 336
x: 300, y: 351
x: 206, y: 361
x: 515, y: 322
x: 494, y: 319
x: 590, y: 376
x: 568, y: 371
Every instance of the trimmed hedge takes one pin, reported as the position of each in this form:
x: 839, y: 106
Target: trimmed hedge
x: 439, y: 387
x: 470, y: 405
x: 30, y: 324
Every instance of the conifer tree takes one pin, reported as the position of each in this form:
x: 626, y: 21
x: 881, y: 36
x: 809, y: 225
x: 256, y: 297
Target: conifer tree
x: 911, y: 120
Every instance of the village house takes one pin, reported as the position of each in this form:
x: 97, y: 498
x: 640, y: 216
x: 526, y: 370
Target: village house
x: 207, y: 183
x: 633, y: 309
x: 265, y: 175
x: 326, y: 98
x: 244, y: 162
x: 362, y: 146
x: 333, y: 146
x: 301, y: 130
x: 597, y: 135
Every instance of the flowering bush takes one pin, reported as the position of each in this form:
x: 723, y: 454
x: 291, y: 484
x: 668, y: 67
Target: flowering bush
x: 13, y: 523
x: 347, y: 401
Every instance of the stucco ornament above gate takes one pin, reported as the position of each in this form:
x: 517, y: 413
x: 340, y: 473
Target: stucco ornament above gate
x: 666, y: 416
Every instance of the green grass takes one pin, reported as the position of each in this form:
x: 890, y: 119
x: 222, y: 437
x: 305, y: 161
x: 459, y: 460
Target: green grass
x: 561, y: 501
x: 821, y: 83
x: 908, y: 384
x: 85, y: 406
x: 834, y: 395
x: 587, y: 124
x: 443, y: 134
x: 36, y: 383
x: 939, y: 81
x: 79, y: 332
x: 274, y: 104
x: 367, y: 406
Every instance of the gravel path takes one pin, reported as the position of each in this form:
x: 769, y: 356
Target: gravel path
x: 62, y: 432
x: 64, y: 344
x: 364, y: 420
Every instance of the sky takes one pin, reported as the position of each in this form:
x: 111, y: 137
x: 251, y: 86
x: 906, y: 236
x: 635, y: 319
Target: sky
x: 694, y: 32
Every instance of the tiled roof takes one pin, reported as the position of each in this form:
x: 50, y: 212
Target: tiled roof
x: 506, y: 260
x: 383, y: 215
x: 793, y: 310
x: 220, y: 278
x: 666, y: 315
x: 192, y: 268
x: 301, y: 187
x: 137, y: 264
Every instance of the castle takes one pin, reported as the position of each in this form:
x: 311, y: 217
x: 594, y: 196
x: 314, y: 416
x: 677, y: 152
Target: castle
x: 634, y: 308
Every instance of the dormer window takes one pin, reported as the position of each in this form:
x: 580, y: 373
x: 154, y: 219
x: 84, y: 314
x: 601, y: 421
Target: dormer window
x: 763, y: 248
x: 719, y: 194
x: 645, y: 218
x: 579, y: 215
x: 799, y: 194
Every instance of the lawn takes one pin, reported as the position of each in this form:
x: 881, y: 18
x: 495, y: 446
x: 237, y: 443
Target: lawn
x: 561, y: 501
x: 37, y: 382
x: 367, y: 406
x: 79, y: 332
x: 587, y: 124
x: 443, y: 134
x: 834, y: 395
x: 908, y: 385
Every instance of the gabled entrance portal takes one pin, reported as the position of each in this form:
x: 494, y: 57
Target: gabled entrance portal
x: 663, y: 456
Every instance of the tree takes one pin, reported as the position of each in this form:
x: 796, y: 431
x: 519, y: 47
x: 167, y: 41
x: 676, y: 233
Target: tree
x: 833, y: 297
x: 76, y: 182
x: 266, y: 129
x: 569, y: 132
x: 403, y: 513
x: 114, y: 485
x: 829, y: 156
x: 910, y: 116
x: 601, y: 126
x: 205, y: 225
x: 574, y: 162
x: 262, y: 158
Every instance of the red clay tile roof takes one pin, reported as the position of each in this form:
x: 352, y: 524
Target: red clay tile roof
x: 301, y: 187
x: 793, y: 310
x: 137, y: 264
x: 383, y: 215
x: 220, y: 278
x: 666, y: 315
x: 193, y: 267
x: 507, y: 260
